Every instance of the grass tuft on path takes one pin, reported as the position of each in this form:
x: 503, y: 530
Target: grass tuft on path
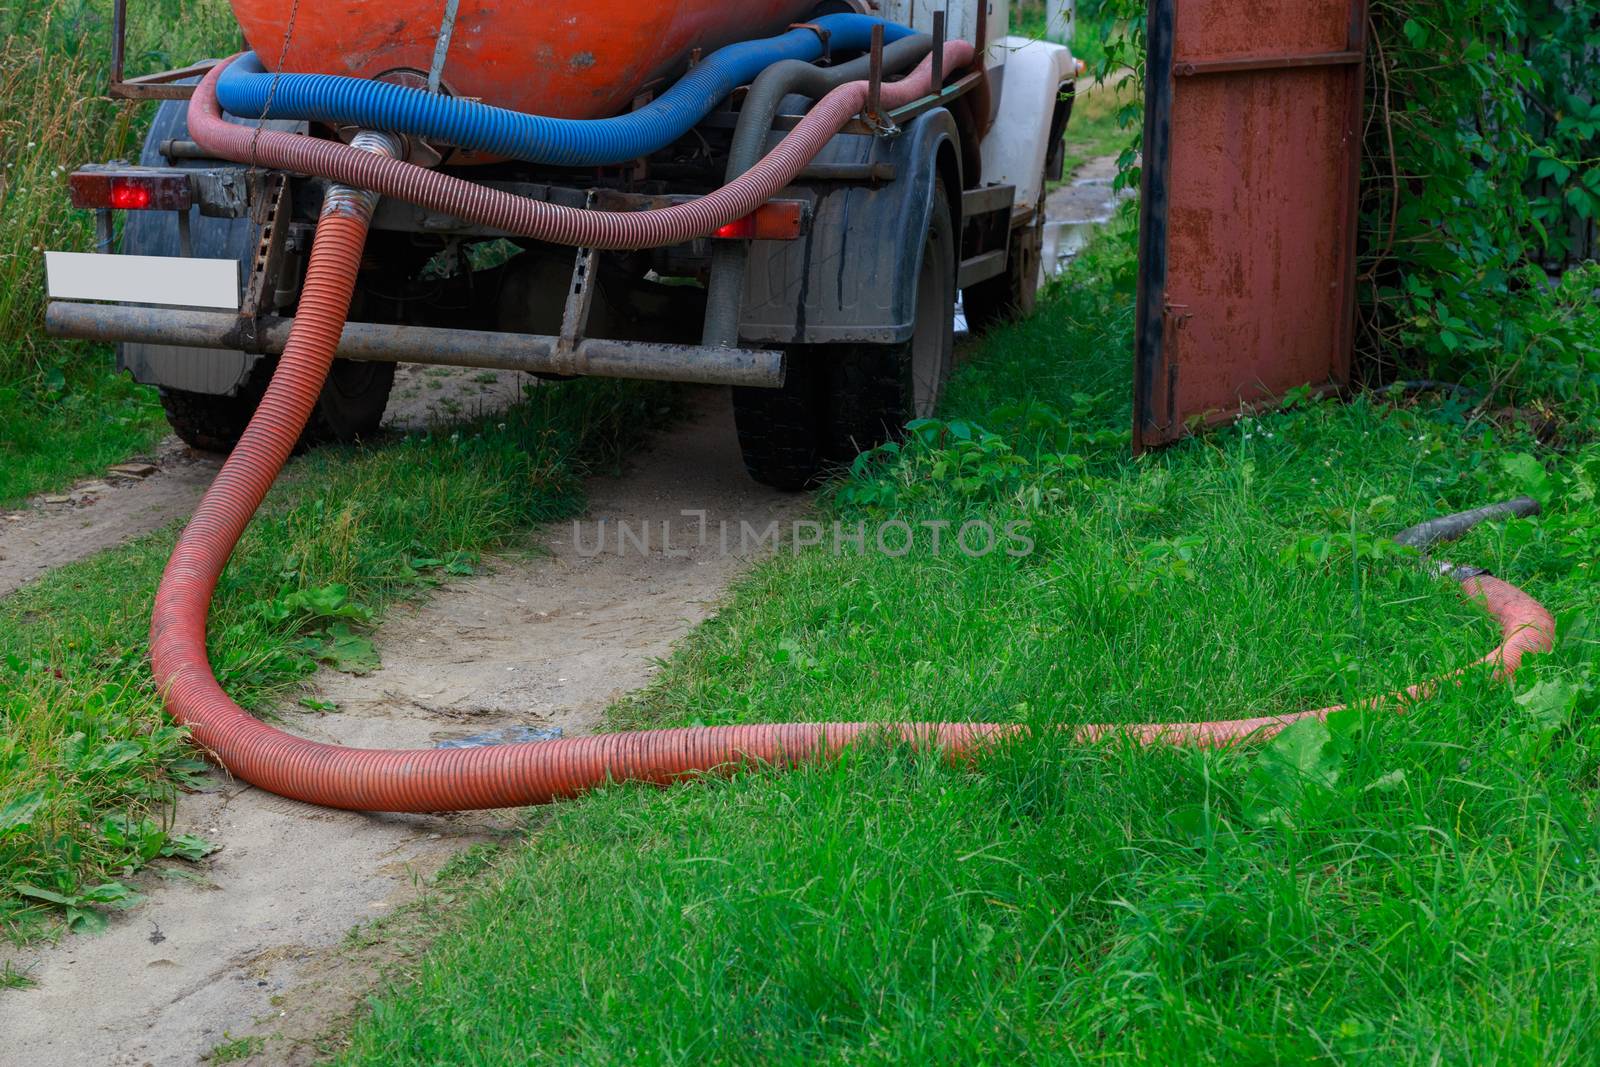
x: 1380, y: 888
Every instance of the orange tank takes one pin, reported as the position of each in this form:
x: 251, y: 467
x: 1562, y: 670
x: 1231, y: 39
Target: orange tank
x: 580, y: 60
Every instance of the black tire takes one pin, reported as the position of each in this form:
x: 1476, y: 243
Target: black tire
x: 351, y: 404
x: 877, y: 389
x: 350, y: 407
x: 780, y: 430
x: 1013, y: 293
x: 214, y: 423
x: 840, y: 400
x: 867, y: 387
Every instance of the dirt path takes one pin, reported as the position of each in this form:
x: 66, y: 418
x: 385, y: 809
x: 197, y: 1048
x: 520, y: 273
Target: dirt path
x: 253, y: 947
x: 134, y: 498
x: 1077, y: 208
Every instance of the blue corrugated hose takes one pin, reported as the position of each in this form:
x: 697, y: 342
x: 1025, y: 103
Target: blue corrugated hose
x: 244, y: 87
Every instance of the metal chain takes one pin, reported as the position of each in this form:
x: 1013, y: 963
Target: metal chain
x: 272, y: 88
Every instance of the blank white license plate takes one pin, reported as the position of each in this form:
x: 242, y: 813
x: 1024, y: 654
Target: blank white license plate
x: 201, y: 283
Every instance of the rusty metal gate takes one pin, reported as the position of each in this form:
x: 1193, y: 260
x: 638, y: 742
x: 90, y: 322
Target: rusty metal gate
x: 1252, y: 138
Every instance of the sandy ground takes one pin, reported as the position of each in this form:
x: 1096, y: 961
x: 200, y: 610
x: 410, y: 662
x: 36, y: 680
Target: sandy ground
x: 251, y: 946
x: 100, y: 513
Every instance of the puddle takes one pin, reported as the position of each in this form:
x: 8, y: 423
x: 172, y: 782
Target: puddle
x: 1075, y: 210
x: 1064, y: 239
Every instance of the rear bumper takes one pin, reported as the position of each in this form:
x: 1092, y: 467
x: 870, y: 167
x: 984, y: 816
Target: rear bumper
x: 378, y: 342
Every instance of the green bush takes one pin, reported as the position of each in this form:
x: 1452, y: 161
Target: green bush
x: 1482, y: 145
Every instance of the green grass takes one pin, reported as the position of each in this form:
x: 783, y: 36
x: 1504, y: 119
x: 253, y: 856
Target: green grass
x: 88, y: 762
x: 62, y: 428
x: 12, y: 978
x: 233, y: 1051
x: 1382, y: 889
x: 1105, y: 122
x: 65, y: 411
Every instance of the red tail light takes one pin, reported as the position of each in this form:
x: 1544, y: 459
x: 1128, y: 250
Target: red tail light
x: 778, y: 220
x: 738, y: 228
x: 130, y: 189
x: 129, y: 197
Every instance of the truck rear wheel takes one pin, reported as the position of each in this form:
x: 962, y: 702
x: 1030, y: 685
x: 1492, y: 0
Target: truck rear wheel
x: 349, y: 408
x: 780, y: 430
x: 877, y: 389
x: 840, y: 400
x: 210, y: 422
x: 352, y: 402
x: 1012, y: 293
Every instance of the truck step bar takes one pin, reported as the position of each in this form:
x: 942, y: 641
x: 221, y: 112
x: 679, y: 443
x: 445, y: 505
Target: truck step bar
x: 377, y: 342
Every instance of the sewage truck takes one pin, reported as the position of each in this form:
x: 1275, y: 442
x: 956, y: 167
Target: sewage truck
x: 781, y: 196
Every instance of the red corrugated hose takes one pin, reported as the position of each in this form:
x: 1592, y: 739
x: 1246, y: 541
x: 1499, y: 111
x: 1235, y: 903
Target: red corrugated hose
x: 423, y: 780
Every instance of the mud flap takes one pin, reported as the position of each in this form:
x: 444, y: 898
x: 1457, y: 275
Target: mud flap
x: 854, y: 276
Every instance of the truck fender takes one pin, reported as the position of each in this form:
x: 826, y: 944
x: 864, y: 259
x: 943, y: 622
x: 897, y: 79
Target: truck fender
x: 853, y: 276
x: 1016, y: 147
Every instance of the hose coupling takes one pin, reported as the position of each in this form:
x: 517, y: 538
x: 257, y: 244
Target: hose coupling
x: 343, y: 199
